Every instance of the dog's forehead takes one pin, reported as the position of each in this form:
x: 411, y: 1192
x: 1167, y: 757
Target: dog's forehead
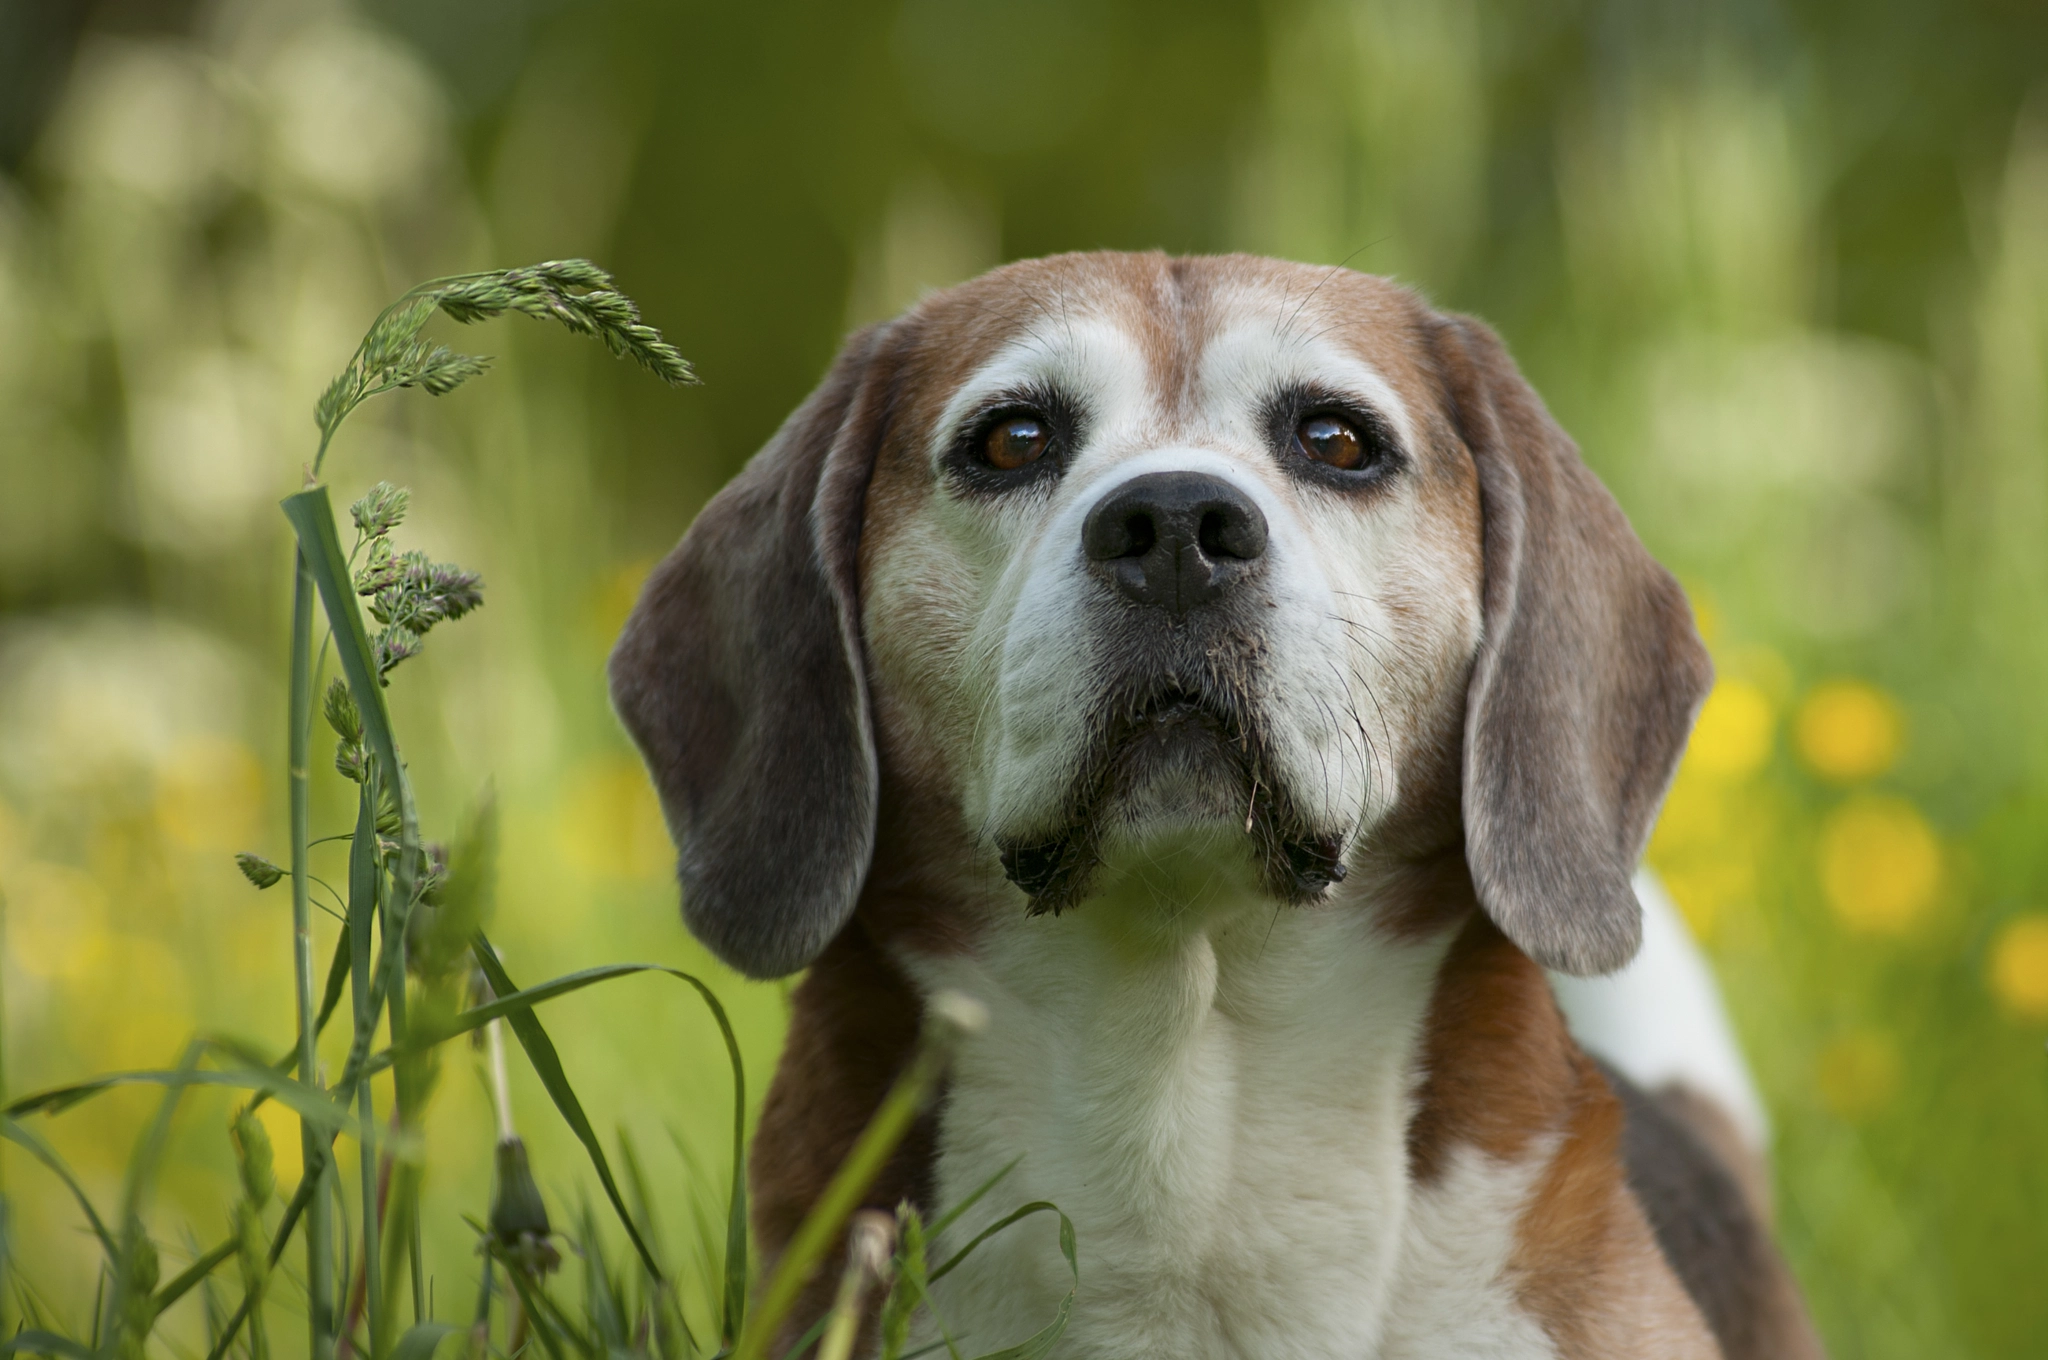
x: 1172, y: 337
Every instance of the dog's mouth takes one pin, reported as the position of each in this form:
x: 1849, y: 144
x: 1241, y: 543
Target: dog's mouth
x: 1176, y: 752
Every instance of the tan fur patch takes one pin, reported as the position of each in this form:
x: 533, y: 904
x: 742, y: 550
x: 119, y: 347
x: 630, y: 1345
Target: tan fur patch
x: 1502, y: 1074
x: 1586, y: 1264
x: 1498, y: 1066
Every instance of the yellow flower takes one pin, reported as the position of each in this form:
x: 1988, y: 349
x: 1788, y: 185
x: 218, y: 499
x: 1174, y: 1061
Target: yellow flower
x: 1880, y: 864
x: 2019, y: 966
x: 1848, y: 730
x: 1733, y: 735
x: 1858, y: 1074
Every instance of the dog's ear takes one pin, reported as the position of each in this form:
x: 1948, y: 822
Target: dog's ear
x: 1588, y: 677
x: 740, y: 676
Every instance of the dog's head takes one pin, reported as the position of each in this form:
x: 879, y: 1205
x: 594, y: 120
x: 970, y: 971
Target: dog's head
x: 1100, y: 548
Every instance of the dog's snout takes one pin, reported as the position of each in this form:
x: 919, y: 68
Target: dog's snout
x: 1175, y: 540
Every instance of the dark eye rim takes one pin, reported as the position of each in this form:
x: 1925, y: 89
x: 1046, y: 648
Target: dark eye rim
x: 1289, y: 410
x: 974, y: 474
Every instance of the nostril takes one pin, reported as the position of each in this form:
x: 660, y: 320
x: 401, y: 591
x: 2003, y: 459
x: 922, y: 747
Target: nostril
x: 1139, y: 535
x: 1232, y: 530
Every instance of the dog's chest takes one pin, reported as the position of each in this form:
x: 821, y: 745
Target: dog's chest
x: 1221, y: 1109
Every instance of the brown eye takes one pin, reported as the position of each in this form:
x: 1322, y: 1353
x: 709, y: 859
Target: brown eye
x: 1016, y: 442
x: 1332, y: 441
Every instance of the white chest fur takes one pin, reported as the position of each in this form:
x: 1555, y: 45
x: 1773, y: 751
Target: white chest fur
x: 1217, y: 1094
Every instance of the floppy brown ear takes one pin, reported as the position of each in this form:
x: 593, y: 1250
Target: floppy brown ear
x: 739, y: 675
x: 1588, y: 677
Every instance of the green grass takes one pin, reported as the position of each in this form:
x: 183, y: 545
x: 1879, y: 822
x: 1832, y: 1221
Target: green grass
x: 417, y: 972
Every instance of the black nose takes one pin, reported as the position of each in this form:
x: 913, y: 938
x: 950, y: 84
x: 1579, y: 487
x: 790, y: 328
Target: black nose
x: 1174, y: 539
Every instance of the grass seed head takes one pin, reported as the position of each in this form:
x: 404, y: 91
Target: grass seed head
x: 253, y: 1159
x: 381, y: 568
x: 438, y: 369
x: 380, y: 510
x: 519, y: 1219
x: 395, y: 644
x: 351, y: 761
x: 575, y: 293
x: 339, y: 708
x: 578, y: 295
x: 257, y: 869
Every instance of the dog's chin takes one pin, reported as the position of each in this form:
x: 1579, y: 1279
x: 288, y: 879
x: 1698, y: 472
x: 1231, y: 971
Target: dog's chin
x: 1169, y: 766
x: 1175, y: 771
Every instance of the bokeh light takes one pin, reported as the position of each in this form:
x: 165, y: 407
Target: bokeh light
x: 1781, y: 269
x: 2019, y: 967
x: 1849, y: 730
x: 1734, y: 732
x: 1880, y: 864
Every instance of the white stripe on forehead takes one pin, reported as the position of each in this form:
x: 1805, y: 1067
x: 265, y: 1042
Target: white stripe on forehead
x: 1091, y: 358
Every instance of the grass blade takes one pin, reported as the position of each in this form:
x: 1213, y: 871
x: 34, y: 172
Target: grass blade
x: 911, y: 1278
x: 1040, y: 1343
x: 809, y: 1338
x: 129, y: 1313
x: 512, y: 1002
x: 949, y: 1016
x: 319, y: 1303
x: 664, y: 1307
x: 192, y: 1275
x: 315, y: 1105
x: 1015, y: 1216
x: 402, y: 1224
x: 607, y: 1321
x: 952, y: 1215
x: 365, y: 883
x: 526, y: 998
x: 312, y: 519
x: 420, y: 1339
x: 534, y: 1316
x: 44, y: 1343
x: 547, y: 1064
x: 47, y: 1155
x: 337, y: 978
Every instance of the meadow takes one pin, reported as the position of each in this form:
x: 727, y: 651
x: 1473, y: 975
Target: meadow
x: 1782, y: 269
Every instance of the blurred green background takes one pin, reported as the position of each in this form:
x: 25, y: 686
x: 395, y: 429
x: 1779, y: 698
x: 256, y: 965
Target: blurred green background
x: 1781, y: 267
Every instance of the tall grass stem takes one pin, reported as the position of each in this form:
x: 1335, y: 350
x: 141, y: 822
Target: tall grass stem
x: 405, y: 1099
x: 501, y: 1086
x: 950, y: 1017
x: 365, y: 879
x: 319, y: 1233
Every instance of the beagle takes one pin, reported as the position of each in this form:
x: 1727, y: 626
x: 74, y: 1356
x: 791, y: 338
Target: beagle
x: 1226, y: 671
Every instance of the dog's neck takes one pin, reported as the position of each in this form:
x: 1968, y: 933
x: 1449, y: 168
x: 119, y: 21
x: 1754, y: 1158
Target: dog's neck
x: 1356, y: 1128
x: 1220, y: 1092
